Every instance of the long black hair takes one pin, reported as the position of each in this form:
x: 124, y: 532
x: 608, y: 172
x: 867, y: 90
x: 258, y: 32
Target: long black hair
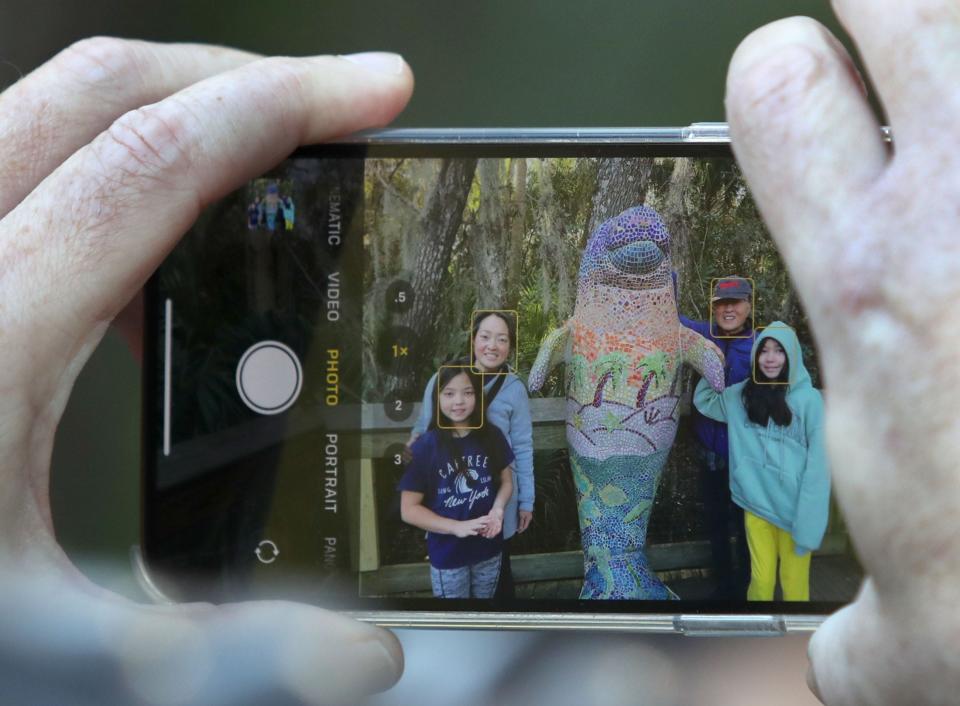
x: 443, y: 425
x: 766, y: 401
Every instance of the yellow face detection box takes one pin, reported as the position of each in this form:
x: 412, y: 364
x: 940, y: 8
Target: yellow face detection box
x: 715, y: 330
x: 480, y: 314
x: 793, y: 357
x: 479, y: 397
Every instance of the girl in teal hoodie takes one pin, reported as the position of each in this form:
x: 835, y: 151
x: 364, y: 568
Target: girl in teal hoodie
x: 778, y: 462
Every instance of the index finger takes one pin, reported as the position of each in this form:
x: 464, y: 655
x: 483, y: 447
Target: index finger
x: 910, y: 49
x: 113, y: 210
x: 806, y: 139
x: 61, y: 106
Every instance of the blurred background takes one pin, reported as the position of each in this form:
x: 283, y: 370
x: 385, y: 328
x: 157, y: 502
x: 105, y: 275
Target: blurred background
x: 487, y: 64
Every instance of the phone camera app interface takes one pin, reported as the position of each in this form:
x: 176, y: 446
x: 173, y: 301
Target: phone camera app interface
x: 518, y: 380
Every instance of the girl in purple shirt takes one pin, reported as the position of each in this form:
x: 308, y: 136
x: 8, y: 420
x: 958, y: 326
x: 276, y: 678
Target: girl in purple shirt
x: 456, y: 487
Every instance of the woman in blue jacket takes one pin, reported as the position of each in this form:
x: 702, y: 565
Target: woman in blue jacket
x: 778, y: 462
x: 730, y: 329
x: 493, y: 341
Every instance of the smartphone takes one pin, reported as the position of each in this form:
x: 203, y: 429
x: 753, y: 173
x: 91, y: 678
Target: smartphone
x: 462, y: 378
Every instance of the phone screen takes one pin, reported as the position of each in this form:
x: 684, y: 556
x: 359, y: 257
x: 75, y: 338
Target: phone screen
x: 554, y: 377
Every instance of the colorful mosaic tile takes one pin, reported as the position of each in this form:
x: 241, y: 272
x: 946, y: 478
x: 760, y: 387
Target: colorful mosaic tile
x: 623, y: 348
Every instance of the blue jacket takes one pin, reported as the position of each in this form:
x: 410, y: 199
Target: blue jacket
x: 778, y: 473
x: 711, y: 434
x: 510, y: 411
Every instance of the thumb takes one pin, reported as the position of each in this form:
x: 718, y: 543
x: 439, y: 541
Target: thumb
x: 878, y: 650
x: 108, y: 650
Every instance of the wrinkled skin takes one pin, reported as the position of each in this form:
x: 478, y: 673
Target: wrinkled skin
x: 871, y: 239
x: 111, y: 150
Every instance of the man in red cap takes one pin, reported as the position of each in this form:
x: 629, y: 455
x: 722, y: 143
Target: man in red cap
x: 731, y: 330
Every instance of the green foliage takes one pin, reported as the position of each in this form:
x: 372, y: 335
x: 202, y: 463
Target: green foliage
x: 724, y: 235
x: 721, y: 234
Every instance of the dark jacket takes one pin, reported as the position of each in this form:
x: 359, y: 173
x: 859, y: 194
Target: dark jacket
x: 710, y: 434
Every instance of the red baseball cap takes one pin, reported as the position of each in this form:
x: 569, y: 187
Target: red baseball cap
x: 732, y: 288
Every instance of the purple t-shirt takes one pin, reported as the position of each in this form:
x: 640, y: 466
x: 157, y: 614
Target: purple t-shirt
x: 458, y: 496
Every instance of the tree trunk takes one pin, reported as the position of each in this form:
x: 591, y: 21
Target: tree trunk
x: 676, y: 214
x: 436, y: 231
x: 518, y: 228
x: 553, y: 238
x: 489, y: 242
x: 547, y: 228
x: 621, y: 184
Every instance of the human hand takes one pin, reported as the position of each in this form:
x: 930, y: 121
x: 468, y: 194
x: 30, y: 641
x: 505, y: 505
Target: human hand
x: 470, y: 528
x: 524, y: 518
x: 494, y: 523
x: 111, y: 150
x: 870, y: 237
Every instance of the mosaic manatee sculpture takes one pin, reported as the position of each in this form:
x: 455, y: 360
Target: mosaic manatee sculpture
x: 623, y: 350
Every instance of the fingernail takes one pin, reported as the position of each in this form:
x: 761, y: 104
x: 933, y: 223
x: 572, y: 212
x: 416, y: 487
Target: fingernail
x: 364, y: 660
x: 384, y: 649
x: 380, y: 61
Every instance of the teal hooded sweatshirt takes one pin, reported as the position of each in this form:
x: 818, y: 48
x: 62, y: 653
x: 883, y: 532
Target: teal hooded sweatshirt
x: 778, y: 473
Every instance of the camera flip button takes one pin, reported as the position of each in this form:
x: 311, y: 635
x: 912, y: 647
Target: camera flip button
x: 267, y: 552
x: 269, y: 377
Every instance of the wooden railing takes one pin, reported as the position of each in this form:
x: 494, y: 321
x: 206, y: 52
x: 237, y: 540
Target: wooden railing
x: 380, y: 432
x: 195, y: 457
x: 549, y: 421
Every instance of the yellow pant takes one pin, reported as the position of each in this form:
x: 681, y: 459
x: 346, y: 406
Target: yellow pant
x: 767, y: 543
